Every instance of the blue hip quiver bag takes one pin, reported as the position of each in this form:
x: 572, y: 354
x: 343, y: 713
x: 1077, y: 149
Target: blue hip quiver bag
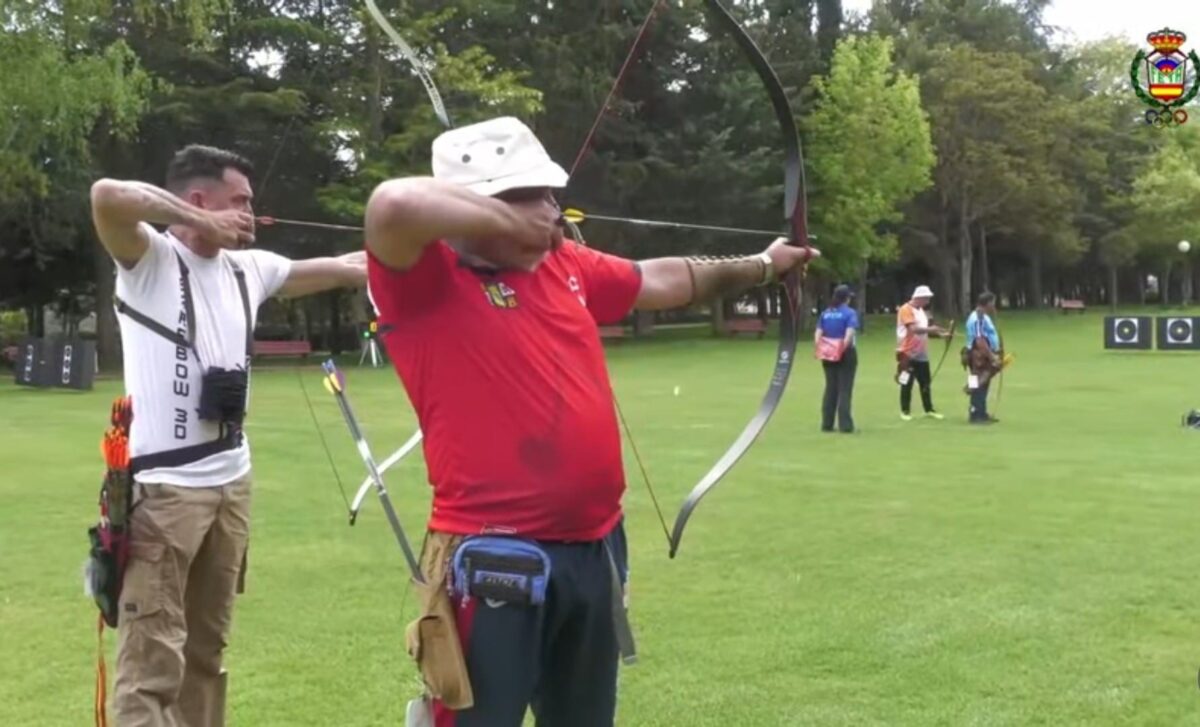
x: 502, y: 569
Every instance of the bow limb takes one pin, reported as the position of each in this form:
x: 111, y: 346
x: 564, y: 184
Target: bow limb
x: 439, y: 108
x: 392, y: 459
x: 795, y: 213
x: 334, y: 383
x: 1000, y: 383
x: 946, y: 350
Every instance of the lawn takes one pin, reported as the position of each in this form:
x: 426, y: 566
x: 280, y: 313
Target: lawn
x: 1039, y: 572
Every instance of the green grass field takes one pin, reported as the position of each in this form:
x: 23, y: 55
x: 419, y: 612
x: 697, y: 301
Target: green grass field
x: 1039, y: 572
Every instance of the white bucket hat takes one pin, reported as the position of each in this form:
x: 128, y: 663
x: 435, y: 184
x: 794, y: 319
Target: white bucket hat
x: 493, y: 156
x: 922, y: 291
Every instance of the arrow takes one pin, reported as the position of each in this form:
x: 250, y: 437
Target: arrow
x: 335, y: 383
x: 266, y: 221
x: 577, y: 216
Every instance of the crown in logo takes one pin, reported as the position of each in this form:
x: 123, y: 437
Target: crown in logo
x: 1166, y: 41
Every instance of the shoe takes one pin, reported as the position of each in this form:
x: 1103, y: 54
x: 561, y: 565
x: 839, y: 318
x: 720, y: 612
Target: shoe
x: 934, y: 415
x: 906, y: 417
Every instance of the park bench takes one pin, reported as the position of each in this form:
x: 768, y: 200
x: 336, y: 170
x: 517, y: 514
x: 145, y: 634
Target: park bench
x: 282, y: 348
x: 734, y: 326
x: 1070, y: 305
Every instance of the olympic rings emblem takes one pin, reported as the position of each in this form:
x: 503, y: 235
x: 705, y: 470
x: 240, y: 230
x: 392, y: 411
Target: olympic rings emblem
x: 1165, y: 117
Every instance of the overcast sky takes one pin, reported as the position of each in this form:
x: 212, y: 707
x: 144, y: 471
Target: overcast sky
x: 1084, y: 20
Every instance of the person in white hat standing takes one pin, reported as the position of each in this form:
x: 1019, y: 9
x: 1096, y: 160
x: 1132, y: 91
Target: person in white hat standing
x: 492, y: 317
x: 913, y: 328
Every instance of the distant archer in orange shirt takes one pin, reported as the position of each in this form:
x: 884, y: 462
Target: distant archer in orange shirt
x: 913, y: 329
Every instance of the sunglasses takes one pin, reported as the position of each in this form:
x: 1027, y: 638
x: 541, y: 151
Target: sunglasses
x: 524, y: 194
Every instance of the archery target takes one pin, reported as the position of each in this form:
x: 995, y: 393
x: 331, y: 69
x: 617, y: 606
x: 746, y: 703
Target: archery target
x: 1178, y: 332
x: 1127, y: 332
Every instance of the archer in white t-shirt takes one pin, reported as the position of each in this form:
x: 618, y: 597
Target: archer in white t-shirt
x: 187, y: 300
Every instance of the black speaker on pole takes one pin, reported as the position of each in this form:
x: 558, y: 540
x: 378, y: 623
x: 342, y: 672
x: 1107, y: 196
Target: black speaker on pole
x: 1128, y: 332
x: 74, y: 363
x: 34, y: 366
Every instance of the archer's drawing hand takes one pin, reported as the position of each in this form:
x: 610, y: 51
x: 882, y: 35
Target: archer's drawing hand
x: 231, y: 229
x: 538, y: 227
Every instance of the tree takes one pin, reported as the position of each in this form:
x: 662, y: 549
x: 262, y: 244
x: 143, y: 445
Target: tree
x: 1166, y: 200
x: 59, y: 92
x: 869, y: 151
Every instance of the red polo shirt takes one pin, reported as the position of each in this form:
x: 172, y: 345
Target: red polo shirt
x: 508, y: 379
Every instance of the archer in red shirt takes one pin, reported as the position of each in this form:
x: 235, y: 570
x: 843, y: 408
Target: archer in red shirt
x: 507, y: 376
x: 490, y: 317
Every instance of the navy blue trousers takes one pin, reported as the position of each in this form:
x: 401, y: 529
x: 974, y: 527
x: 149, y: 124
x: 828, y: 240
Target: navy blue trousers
x: 979, y: 396
x: 560, y: 659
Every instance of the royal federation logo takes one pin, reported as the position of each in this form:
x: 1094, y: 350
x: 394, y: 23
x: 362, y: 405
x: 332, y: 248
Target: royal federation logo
x: 1161, y: 78
x: 500, y: 295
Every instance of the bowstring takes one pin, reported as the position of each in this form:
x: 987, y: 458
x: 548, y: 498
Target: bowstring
x: 283, y: 138
x: 587, y: 142
x: 324, y: 445
x: 612, y: 91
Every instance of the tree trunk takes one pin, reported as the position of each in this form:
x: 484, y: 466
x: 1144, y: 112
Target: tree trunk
x: 306, y: 318
x: 862, y: 294
x: 808, y: 296
x: 985, y: 275
x: 1036, y: 300
x: 375, y: 87
x: 643, y: 323
x: 1164, y: 285
x: 1113, y: 282
x: 718, y: 316
x: 335, y: 322
x: 945, y: 262
x: 1186, y: 281
x: 108, y: 347
x: 965, y: 256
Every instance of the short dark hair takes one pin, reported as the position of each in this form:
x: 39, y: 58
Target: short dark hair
x: 196, y: 161
x: 987, y: 298
x: 842, y: 294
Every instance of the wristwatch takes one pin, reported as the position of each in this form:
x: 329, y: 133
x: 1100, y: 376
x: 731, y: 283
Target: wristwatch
x: 768, y: 268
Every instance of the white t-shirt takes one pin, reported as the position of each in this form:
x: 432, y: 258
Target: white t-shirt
x: 163, y: 379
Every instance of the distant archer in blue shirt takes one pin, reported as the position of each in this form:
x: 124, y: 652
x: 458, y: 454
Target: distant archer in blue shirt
x: 983, y: 357
x: 836, y: 350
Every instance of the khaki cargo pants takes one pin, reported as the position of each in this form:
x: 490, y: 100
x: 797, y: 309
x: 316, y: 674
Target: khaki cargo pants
x: 187, y: 557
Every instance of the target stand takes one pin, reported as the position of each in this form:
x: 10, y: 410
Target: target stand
x: 370, y: 346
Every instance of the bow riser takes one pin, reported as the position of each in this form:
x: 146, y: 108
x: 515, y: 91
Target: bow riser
x: 795, y: 214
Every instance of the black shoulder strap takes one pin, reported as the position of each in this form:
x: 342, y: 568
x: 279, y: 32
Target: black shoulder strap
x: 189, y: 308
x: 241, y: 282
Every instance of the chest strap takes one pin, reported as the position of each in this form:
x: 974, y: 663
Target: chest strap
x: 190, y: 309
x: 230, y: 438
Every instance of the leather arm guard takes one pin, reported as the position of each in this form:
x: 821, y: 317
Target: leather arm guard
x: 717, y: 277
